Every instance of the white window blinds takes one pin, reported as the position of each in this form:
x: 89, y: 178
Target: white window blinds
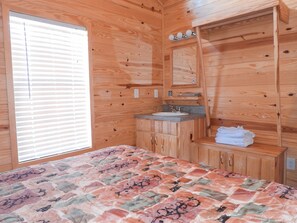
x: 51, y: 86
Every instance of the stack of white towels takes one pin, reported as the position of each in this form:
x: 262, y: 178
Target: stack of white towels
x: 236, y: 136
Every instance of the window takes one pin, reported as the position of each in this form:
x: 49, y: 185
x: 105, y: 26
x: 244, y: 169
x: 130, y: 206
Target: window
x: 51, y: 86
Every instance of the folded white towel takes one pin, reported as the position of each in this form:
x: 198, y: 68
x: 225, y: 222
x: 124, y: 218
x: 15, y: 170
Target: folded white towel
x: 242, y: 142
x: 236, y: 134
x: 235, y: 131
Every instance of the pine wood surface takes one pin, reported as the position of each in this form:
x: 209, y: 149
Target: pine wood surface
x: 126, y: 53
x: 259, y: 161
x: 170, y: 138
x: 239, y: 67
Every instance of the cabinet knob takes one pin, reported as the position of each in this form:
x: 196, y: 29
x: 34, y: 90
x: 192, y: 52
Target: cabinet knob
x: 230, y: 161
x: 222, y: 159
x: 191, y: 137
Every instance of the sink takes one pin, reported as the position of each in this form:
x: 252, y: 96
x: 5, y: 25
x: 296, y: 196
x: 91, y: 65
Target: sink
x: 170, y: 113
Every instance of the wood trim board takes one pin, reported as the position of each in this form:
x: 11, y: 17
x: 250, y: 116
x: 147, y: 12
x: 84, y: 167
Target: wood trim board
x: 203, y: 80
x: 222, y: 18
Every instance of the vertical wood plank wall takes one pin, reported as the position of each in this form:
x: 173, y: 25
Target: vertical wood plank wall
x: 240, y: 71
x: 127, y: 49
x: 5, y: 150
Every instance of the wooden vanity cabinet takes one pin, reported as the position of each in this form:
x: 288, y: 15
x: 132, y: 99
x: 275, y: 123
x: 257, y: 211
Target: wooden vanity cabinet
x: 144, y: 135
x: 257, y: 161
x: 169, y: 138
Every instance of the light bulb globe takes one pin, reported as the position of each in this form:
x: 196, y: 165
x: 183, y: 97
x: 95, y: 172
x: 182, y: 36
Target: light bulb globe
x: 171, y: 37
x: 179, y: 35
x: 189, y: 33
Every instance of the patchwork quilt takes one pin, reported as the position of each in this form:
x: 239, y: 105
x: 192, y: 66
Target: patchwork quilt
x: 130, y: 185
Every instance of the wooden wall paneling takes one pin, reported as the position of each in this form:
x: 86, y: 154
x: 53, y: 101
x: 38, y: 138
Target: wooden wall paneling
x: 126, y: 50
x: 9, y: 88
x: 276, y: 72
x: 240, y: 72
x: 5, y: 151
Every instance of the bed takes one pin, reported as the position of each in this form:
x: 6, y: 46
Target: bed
x: 131, y: 185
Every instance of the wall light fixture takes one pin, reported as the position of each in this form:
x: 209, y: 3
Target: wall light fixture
x: 179, y: 36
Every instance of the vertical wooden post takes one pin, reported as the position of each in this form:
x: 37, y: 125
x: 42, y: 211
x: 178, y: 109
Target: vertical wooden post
x: 9, y: 84
x: 276, y: 73
x: 203, y: 80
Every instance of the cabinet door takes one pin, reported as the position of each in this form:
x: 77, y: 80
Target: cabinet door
x: 268, y: 168
x: 203, y: 155
x: 194, y: 153
x: 145, y: 140
x: 186, y: 137
x: 166, y: 145
x: 226, y: 160
x: 166, y: 127
x: 253, y: 166
x: 215, y: 159
x: 144, y: 125
x: 239, y: 163
x: 229, y: 161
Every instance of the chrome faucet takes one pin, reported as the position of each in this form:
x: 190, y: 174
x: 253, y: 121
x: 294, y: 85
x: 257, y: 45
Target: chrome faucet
x: 174, y: 109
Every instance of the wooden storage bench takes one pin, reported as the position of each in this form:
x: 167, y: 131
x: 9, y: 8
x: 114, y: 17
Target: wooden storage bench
x: 258, y: 161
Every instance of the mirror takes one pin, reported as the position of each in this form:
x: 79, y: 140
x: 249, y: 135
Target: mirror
x: 184, y: 65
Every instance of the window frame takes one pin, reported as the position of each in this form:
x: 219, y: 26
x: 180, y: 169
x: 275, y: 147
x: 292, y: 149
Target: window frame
x: 10, y: 89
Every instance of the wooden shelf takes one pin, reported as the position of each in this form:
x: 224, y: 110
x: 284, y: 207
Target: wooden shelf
x: 223, y: 18
x: 128, y: 86
x: 182, y: 98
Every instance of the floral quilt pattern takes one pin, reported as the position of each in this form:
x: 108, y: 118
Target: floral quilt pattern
x: 130, y: 185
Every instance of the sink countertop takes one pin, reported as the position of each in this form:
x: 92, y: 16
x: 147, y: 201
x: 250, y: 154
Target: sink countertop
x: 170, y: 118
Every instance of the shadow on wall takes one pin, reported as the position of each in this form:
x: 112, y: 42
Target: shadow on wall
x: 126, y: 51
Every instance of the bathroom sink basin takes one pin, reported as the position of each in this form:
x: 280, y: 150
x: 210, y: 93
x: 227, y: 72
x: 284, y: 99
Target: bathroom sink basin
x: 170, y: 113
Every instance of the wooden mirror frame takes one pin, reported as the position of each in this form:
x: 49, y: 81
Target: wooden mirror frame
x: 197, y: 84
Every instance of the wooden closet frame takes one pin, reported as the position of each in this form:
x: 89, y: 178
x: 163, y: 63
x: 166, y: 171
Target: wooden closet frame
x: 280, y: 12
